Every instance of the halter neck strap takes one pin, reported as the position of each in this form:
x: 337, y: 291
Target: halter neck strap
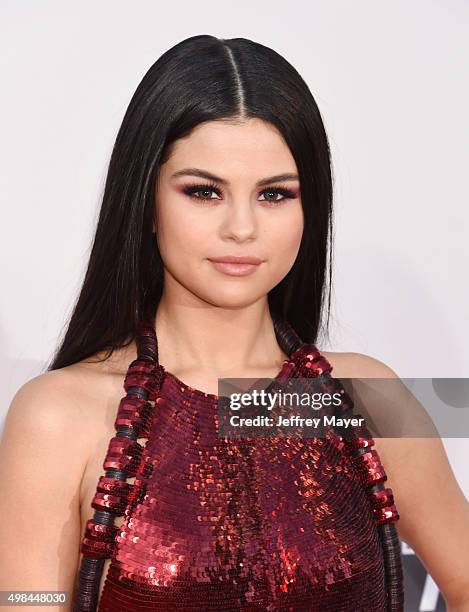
x: 287, y: 337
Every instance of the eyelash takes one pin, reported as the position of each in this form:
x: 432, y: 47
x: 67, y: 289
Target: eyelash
x: 191, y: 190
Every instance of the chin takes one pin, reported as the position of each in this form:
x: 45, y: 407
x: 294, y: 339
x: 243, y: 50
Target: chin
x: 232, y: 301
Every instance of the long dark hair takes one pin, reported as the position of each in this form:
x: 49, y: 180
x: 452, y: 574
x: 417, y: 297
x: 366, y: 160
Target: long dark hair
x: 202, y: 78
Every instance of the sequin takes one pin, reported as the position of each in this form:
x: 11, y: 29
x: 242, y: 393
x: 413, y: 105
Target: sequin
x: 220, y: 524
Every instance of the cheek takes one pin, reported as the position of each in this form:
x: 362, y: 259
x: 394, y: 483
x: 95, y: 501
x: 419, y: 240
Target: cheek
x: 284, y: 238
x: 179, y: 239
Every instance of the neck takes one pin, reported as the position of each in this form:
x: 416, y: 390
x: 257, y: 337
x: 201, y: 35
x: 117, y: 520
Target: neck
x: 217, y: 339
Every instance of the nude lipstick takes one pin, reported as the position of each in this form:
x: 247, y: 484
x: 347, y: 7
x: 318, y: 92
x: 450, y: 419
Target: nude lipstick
x: 236, y: 265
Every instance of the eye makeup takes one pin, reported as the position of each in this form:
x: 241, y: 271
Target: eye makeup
x: 192, y: 189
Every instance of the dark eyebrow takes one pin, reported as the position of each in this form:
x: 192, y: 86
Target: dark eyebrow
x: 211, y: 177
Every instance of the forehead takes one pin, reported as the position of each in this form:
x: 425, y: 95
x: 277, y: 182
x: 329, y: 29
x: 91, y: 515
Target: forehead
x: 225, y: 147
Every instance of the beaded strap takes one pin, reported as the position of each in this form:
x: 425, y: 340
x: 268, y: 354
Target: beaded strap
x: 366, y: 459
x: 124, y: 459
x: 371, y: 473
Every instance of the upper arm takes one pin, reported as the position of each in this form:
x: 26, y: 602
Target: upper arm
x: 433, y: 510
x: 42, y: 459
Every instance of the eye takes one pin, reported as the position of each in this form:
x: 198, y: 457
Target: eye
x: 286, y: 194
x: 193, y: 191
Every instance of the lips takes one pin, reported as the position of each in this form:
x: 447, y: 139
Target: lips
x: 237, y: 259
x: 236, y: 266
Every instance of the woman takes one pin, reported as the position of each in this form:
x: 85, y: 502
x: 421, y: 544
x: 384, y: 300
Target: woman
x: 129, y: 499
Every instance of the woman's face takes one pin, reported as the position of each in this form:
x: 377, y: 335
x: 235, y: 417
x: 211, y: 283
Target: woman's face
x: 240, y: 210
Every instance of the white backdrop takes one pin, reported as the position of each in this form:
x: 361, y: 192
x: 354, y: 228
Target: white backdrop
x: 391, y: 83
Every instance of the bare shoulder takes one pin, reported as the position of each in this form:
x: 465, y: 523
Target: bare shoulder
x: 357, y: 365
x: 44, y: 450
x: 53, y: 402
x: 45, y: 432
x: 58, y: 412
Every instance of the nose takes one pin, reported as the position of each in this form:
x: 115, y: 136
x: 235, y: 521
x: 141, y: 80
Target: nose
x: 240, y: 221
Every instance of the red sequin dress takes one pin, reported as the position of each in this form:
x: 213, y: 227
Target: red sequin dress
x: 222, y: 524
